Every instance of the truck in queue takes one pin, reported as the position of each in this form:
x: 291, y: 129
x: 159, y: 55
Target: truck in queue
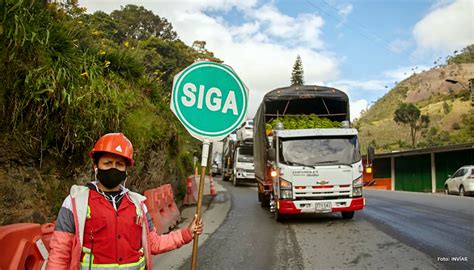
x: 313, y: 165
x: 237, y: 159
x: 228, y: 154
x: 243, y: 169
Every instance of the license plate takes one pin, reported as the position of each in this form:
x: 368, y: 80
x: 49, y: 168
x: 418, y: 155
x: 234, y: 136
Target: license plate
x: 323, y: 207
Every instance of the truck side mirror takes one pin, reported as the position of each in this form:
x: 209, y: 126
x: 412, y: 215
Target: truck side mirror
x: 271, y: 154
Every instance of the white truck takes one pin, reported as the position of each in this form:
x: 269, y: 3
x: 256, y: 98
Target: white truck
x: 243, y: 169
x: 237, y: 156
x: 311, y: 170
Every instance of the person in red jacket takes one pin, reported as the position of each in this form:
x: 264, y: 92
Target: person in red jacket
x: 104, y: 225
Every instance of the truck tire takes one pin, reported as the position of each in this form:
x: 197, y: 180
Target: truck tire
x: 235, y: 181
x: 347, y: 214
x: 265, y: 202
x: 278, y: 216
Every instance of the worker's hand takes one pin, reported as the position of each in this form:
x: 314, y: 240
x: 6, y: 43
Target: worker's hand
x: 195, y: 227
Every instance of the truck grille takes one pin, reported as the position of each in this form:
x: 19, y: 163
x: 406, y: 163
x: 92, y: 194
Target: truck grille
x: 318, y: 194
x: 321, y: 198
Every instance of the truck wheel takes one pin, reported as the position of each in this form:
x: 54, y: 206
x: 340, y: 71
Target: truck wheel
x: 347, y: 215
x: 278, y: 217
x: 235, y: 181
x: 265, y: 202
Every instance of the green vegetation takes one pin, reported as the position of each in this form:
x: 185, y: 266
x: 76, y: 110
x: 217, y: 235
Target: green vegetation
x: 68, y: 77
x: 297, y: 75
x: 409, y: 114
x: 447, y: 106
x: 303, y: 122
x: 465, y: 56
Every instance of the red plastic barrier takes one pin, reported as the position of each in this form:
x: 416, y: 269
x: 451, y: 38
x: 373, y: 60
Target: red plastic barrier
x: 171, y: 204
x: 24, y: 245
x: 162, y: 208
x: 191, y: 196
x: 155, y: 209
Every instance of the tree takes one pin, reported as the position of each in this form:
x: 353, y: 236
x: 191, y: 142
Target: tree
x: 409, y: 114
x: 297, y: 74
x: 136, y: 22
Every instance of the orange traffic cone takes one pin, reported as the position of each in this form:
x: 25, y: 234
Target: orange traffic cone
x: 213, y: 190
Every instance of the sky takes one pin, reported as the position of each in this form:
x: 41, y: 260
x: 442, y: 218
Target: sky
x: 362, y: 47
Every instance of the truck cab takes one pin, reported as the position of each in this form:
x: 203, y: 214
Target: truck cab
x: 313, y: 165
x: 244, y: 170
x: 318, y: 171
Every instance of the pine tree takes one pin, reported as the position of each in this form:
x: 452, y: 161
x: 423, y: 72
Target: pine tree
x: 297, y: 74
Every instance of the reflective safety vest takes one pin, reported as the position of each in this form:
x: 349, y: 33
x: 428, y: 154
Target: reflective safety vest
x: 88, y: 262
x: 110, y: 238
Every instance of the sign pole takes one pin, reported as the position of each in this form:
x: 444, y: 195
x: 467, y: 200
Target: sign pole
x: 210, y: 100
x: 205, y: 154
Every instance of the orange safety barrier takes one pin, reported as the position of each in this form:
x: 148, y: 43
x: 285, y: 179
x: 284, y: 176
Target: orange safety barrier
x: 191, y: 196
x: 154, y: 210
x: 162, y: 208
x: 157, y: 211
x: 170, y: 204
x: 164, y: 211
x: 24, y: 245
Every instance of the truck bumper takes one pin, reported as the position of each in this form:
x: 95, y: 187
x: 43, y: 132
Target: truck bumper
x: 320, y: 206
x: 246, y: 176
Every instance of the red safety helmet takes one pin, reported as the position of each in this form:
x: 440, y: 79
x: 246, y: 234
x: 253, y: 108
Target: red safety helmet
x: 114, y: 143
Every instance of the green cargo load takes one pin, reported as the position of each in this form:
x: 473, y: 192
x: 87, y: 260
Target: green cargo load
x: 302, y: 122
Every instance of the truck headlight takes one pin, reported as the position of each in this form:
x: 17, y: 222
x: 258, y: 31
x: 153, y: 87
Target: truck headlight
x: 286, y: 189
x: 357, y: 187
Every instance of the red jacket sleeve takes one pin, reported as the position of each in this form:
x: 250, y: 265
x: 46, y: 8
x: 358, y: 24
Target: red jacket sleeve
x: 167, y: 242
x: 60, y: 250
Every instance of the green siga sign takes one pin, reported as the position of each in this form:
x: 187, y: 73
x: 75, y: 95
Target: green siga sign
x: 209, y: 99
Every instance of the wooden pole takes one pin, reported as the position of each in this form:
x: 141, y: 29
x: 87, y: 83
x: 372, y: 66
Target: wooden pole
x: 205, y: 154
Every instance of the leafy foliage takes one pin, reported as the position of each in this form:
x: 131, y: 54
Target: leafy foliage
x: 69, y: 77
x: 297, y: 75
x: 410, y: 115
x: 303, y: 122
x: 465, y: 56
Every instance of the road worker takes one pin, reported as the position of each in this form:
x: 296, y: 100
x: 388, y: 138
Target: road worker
x: 103, y: 225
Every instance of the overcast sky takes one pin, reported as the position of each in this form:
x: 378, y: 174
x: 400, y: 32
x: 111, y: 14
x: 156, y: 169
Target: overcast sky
x: 361, y: 47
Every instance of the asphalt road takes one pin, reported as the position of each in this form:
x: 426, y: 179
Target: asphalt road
x: 439, y: 225
x: 396, y: 230
x: 249, y: 238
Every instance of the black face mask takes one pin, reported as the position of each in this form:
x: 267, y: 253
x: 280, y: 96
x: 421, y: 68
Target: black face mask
x: 111, y: 178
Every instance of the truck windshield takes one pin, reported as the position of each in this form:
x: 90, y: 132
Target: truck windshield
x: 321, y: 150
x: 245, y: 155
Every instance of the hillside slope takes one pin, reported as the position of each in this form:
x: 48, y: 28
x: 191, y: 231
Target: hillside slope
x: 448, y: 106
x: 69, y: 77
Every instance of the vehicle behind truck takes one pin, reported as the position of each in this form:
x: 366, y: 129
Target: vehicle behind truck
x: 243, y: 168
x: 237, y: 158
x: 313, y: 165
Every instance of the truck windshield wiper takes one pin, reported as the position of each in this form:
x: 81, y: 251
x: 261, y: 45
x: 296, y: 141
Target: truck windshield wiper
x: 299, y: 164
x: 327, y: 161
